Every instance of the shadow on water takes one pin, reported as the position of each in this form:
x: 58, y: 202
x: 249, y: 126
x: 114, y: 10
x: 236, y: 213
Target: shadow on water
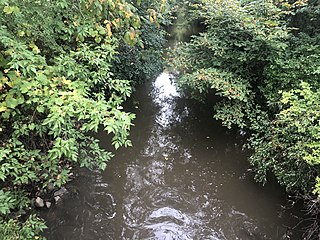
x: 185, y: 178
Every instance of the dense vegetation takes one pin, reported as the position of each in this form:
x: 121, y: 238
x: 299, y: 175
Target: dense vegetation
x: 262, y: 58
x: 66, y: 67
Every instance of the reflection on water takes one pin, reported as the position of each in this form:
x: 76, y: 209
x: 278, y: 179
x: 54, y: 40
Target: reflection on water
x: 185, y: 178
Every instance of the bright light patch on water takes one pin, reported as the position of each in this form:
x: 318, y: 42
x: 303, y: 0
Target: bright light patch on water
x: 165, y: 86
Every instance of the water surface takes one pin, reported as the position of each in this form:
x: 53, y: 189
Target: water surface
x: 185, y: 178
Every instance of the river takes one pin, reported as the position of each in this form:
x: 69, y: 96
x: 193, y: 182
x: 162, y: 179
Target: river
x: 185, y: 177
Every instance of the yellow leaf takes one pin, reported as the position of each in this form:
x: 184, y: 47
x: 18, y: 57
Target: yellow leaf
x: 35, y: 48
x: 129, y: 14
x: 109, y: 29
x: 132, y: 35
x: 3, y: 108
x: 21, y: 33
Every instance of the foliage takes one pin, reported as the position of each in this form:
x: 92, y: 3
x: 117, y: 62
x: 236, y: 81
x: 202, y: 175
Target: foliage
x: 29, y: 230
x: 299, y: 62
x: 144, y: 60
x: 261, y: 58
x: 317, y: 187
x: 246, y: 56
x: 291, y: 148
x: 58, y: 84
x: 306, y: 18
x: 238, y: 41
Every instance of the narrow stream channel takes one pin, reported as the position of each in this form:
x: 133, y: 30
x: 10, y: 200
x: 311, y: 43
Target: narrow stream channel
x: 185, y: 178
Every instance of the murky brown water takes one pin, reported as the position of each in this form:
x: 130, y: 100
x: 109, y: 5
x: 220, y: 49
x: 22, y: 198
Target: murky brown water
x: 185, y: 178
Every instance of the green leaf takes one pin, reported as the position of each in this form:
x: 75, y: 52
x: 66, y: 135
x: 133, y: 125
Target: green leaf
x: 11, y: 102
x: 40, y: 109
